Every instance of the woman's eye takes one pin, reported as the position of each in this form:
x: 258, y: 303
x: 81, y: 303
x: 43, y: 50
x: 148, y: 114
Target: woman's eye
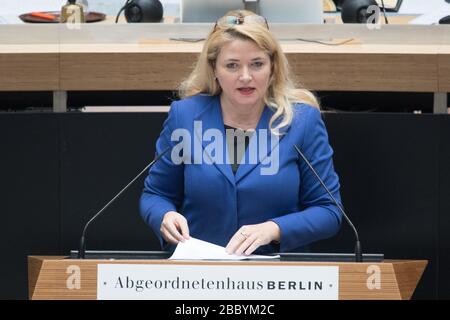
x: 257, y: 64
x: 231, y: 65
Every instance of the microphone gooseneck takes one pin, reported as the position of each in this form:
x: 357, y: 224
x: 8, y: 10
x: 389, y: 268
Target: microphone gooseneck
x: 82, y: 249
x: 358, y: 249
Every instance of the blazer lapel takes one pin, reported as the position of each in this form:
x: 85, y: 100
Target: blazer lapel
x: 261, y: 138
x: 211, y: 119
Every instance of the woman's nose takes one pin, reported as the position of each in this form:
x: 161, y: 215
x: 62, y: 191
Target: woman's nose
x: 245, y: 75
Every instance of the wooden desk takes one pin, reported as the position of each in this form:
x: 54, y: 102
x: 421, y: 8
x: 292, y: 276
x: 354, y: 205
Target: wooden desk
x: 402, y: 58
x: 48, y: 276
x: 392, y: 19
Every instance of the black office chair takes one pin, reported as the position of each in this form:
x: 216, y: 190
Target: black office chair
x: 356, y: 11
x: 338, y: 3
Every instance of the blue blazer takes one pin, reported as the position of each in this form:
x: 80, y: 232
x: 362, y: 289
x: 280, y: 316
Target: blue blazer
x: 216, y: 202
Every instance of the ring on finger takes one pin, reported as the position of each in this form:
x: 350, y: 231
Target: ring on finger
x: 244, y: 234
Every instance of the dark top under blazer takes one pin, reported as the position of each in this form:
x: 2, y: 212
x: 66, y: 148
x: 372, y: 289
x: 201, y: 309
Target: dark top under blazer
x: 216, y: 203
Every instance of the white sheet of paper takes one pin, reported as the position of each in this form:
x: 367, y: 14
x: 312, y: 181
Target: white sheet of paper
x: 431, y: 17
x: 422, y: 6
x: 195, y: 249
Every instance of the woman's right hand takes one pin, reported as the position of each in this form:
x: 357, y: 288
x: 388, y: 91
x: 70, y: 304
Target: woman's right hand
x: 174, y: 228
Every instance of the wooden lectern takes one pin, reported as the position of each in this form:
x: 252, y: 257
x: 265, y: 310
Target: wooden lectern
x: 47, y: 276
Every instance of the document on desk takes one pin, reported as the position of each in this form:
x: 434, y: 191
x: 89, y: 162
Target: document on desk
x: 413, y: 7
x: 430, y: 12
x: 195, y: 249
x: 430, y: 18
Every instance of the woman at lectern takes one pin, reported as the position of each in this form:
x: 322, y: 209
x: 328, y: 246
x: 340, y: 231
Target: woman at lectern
x: 231, y: 175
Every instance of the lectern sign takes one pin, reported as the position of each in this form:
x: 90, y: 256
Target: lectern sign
x: 216, y: 282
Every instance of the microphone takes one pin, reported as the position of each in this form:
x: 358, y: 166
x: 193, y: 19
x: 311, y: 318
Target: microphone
x: 82, y: 250
x: 358, y: 249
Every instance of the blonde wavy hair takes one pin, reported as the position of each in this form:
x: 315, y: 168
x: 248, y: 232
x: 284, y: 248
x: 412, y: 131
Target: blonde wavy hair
x: 281, y: 94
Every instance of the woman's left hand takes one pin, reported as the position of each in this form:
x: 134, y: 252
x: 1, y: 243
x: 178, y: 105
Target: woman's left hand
x: 250, y: 237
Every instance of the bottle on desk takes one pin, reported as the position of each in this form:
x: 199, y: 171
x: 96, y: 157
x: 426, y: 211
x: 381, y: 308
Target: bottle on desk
x: 85, y: 5
x: 72, y: 12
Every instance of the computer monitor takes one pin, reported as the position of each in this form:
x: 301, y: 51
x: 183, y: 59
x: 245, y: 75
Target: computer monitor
x: 275, y: 11
x: 207, y: 10
x: 292, y: 11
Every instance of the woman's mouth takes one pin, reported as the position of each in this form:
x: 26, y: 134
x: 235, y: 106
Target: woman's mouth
x: 246, y: 90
